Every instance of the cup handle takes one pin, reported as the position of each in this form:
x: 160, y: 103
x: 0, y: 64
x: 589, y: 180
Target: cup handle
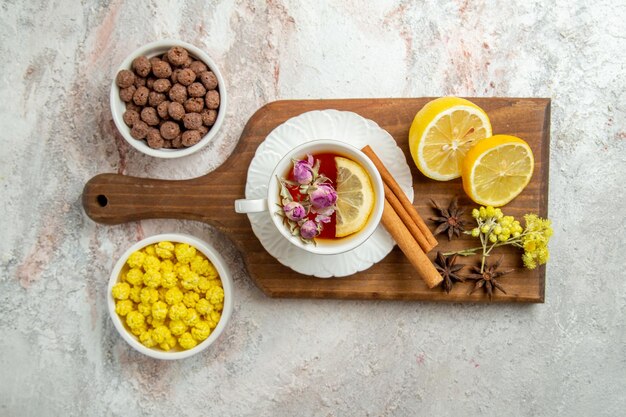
x: 251, y: 206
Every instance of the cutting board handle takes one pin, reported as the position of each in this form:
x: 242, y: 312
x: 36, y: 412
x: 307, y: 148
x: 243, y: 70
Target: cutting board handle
x: 115, y: 199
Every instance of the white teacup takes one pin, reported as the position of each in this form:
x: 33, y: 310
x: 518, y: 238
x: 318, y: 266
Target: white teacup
x: 272, y: 201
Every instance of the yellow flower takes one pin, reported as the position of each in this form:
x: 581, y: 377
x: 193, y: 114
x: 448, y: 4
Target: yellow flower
x: 135, y: 260
x: 123, y: 307
x: 159, y: 310
x: 187, y: 341
x: 184, y: 253
x: 134, y: 276
x: 121, y: 291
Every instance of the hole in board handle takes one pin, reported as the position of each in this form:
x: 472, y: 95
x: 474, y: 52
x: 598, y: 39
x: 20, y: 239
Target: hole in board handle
x: 102, y: 200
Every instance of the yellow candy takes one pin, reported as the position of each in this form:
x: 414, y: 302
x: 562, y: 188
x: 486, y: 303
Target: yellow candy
x: 160, y: 334
x: 120, y: 291
x: 149, y: 295
x: 203, y: 284
x: 147, y: 339
x: 187, y: 341
x: 169, y: 343
x: 151, y: 262
x: 135, y: 292
x: 134, y: 276
x: 215, y: 295
x: 182, y: 270
x: 149, y: 250
x: 167, y: 265
x: 190, y: 299
x: 152, y: 278
x: 199, y: 265
x: 177, y: 327
x: 215, y: 316
x: 191, y: 318
x: 169, y: 279
x: 135, y: 320
x: 173, y: 296
x: 164, y: 250
x: 159, y: 310
x: 201, y: 331
x: 212, y: 272
x: 184, y: 253
x: 123, y: 307
x: 144, y: 309
x: 135, y: 260
x: 190, y: 281
x: 178, y: 311
x: 139, y: 330
x: 203, y: 306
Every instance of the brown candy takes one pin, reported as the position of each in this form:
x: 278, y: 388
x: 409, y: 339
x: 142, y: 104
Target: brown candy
x: 162, y: 85
x: 174, y: 76
x: 176, y: 110
x: 150, y: 82
x: 198, y: 67
x: 169, y: 130
x: 154, y: 139
x: 150, y: 116
x: 177, y: 142
x: 208, y: 117
x: 187, y: 62
x: 186, y: 76
x: 196, y: 90
x: 161, y: 69
x: 125, y: 78
x: 208, y: 79
x: 133, y: 106
x: 177, y: 55
x: 162, y: 110
x: 140, y: 82
x: 140, y: 97
x: 212, y: 99
x: 154, y: 98
x: 178, y: 93
x: 192, y: 121
x: 194, y: 105
x: 154, y: 60
x: 141, y: 65
x: 139, y: 130
x: 126, y: 94
x: 191, y: 137
x: 130, y: 117
x: 203, y: 130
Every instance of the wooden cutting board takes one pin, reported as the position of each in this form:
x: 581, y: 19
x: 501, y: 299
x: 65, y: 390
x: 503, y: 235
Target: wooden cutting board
x: 114, y: 199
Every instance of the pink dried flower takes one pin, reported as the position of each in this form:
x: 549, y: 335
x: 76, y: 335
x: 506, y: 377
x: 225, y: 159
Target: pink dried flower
x: 309, y: 229
x: 303, y: 170
x: 323, y: 196
x: 294, y: 211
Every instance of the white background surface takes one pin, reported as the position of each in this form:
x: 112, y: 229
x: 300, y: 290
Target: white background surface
x: 59, y: 352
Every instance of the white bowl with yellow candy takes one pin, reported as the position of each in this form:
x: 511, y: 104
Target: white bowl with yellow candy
x: 170, y: 296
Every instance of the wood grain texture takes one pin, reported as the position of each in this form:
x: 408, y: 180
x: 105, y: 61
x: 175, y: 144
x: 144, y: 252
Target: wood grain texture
x: 114, y: 199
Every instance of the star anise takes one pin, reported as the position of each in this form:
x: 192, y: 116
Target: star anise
x: 488, y: 278
x: 449, y: 219
x: 448, y: 268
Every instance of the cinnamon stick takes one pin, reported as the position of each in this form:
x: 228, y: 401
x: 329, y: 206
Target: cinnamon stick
x: 410, y: 247
x: 397, y: 199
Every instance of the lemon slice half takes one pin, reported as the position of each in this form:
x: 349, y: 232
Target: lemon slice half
x: 355, y: 197
x: 442, y: 133
x: 497, y: 169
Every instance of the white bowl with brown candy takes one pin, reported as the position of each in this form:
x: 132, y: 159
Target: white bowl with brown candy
x: 168, y: 99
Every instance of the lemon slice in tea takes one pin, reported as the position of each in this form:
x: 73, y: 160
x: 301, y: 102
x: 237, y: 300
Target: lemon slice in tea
x: 355, y: 197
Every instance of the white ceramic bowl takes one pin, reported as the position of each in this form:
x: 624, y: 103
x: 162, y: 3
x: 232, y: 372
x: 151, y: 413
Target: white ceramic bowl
x: 118, y: 107
x: 225, y: 277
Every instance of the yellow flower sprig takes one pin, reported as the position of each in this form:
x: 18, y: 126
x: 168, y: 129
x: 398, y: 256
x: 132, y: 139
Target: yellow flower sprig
x: 494, y: 229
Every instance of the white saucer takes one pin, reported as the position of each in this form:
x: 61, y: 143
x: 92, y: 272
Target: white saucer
x: 324, y: 124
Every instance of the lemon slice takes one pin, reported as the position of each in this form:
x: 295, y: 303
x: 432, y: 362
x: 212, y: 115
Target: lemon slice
x: 355, y: 197
x: 497, y: 169
x: 442, y: 133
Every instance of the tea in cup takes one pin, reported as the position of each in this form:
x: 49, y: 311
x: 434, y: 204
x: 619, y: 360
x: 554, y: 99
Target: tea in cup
x: 324, y: 196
